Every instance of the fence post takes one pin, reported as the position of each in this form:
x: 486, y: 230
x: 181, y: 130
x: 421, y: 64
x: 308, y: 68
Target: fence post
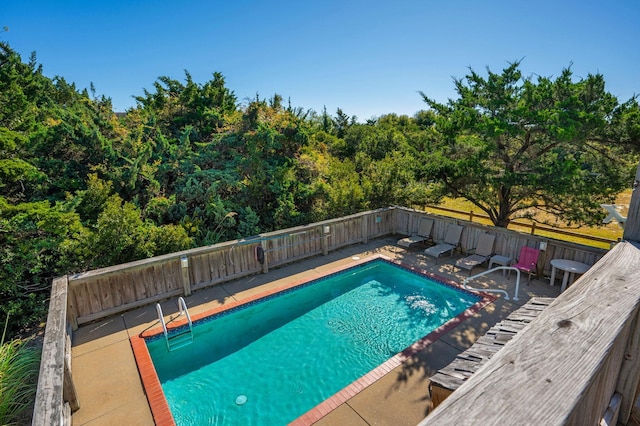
x: 365, y: 229
x: 49, y: 401
x: 72, y: 313
x: 69, y: 393
x: 265, y: 264
x: 632, y: 224
x: 325, y: 239
x: 186, y: 284
x: 471, y: 216
x: 629, y: 376
x: 533, y: 228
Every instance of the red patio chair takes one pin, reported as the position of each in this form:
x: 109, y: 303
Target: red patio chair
x: 528, y: 261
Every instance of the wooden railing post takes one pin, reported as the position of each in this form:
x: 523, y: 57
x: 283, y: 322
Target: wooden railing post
x: 365, y: 229
x: 49, y: 403
x: 69, y: 392
x: 629, y: 376
x: 265, y: 264
x: 326, y: 230
x: 72, y: 314
x: 533, y: 228
x: 186, y: 284
x: 632, y: 225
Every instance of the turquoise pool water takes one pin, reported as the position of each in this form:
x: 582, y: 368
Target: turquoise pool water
x: 268, y: 362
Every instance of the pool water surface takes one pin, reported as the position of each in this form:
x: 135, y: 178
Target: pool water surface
x: 272, y: 360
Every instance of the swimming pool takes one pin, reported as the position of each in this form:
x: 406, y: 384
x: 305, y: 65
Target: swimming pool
x: 270, y: 361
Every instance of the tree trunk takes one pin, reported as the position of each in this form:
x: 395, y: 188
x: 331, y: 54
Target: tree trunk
x: 502, y: 222
x: 503, y: 218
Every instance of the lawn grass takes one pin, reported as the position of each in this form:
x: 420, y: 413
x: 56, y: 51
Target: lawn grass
x: 611, y: 231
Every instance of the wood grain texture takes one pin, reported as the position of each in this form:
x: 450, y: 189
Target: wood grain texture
x: 632, y: 225
x: 451, y: 377
x: 49, y: 404
x: 563, y: 368
x: 629, y: 377
x: 117, y: 288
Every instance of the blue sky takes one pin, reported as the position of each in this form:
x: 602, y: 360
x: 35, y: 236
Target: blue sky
x: 367, y: 57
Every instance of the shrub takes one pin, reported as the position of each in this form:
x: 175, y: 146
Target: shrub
x: 19, y: 365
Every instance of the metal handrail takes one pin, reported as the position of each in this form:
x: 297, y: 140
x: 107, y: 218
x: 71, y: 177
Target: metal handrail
x: 495, y: 290
x: 182, y: 306
x: 164, y: 325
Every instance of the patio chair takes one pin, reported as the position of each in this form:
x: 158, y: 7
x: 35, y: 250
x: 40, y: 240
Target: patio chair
x: 422, y: 236
x: 482, y: 253
x: 449, y: 244
x: 528, y: 261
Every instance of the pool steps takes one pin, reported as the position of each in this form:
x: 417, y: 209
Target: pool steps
x: 179, y: 339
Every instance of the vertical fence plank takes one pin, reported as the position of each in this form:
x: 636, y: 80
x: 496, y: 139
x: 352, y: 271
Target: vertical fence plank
x: 632, y: 225
x: 49, y: 404
x: 125, y: 285
x: 629, y: 376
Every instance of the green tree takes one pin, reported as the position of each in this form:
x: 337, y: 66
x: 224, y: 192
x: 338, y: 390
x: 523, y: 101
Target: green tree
x: 122, y: 236
x: 17, y: 176
x: 514, y: 146
x: 38, y: 242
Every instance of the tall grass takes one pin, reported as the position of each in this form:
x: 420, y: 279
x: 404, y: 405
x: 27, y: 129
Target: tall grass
x: 19, y: 365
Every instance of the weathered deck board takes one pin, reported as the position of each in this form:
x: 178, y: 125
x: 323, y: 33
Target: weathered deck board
x: 451, y: 377
x: 632, y: 225
x: 49, y: 402
x: 564, y: 368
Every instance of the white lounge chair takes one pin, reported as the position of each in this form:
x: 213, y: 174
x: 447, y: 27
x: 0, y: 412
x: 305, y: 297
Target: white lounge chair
x: 482, y: 253
x: 422, y: 236
x: 449, y: 244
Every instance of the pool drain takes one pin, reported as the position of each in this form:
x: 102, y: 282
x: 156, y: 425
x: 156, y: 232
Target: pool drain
x: 241, y: 399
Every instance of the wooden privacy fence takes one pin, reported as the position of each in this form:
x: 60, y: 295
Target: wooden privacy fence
x: 507, y: 243
x: 108, y: 291
x: 105, y: 292
x: 93, y: 295
x: 533, y: 227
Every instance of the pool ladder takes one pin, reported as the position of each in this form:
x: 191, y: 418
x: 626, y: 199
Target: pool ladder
x: 181, y: 338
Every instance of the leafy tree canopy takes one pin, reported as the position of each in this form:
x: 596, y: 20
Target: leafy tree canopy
x: 515, y: 145
x: 82, y: 187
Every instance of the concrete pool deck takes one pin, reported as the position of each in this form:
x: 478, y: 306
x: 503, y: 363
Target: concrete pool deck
x: 110, y: 390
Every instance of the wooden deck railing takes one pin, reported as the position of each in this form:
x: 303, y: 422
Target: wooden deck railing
x: 579, y: 354
x: 577, y: 363
x: 56, y: 395
x: 89, y: 296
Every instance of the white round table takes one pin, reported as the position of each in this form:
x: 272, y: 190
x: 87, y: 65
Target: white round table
x: 570, y: 268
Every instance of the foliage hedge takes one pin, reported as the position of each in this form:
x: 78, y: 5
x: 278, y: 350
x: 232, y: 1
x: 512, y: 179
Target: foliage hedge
x: 83, y: 187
